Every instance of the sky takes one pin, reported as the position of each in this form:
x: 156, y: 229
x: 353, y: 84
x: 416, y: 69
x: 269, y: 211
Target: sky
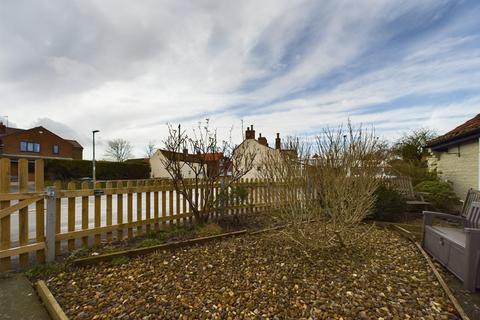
x: 127, y: 68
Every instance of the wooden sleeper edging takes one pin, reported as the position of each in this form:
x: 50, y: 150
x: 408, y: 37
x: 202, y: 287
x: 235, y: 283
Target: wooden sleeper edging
x: 165, y: 246
x: 49, y: 301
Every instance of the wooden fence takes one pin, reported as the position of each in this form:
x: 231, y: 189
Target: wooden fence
x: 86, y: 216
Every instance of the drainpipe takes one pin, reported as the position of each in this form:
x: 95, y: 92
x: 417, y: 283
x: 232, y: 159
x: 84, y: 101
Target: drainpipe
x: 478, y: 176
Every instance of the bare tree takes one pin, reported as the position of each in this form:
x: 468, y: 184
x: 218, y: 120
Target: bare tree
x: 214, y: 167
x: 118, y: 150
x: 150, y: 149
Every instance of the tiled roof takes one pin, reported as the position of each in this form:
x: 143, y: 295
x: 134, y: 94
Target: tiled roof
x: 74, y: 143
x: 9, y: 130
x: 212, y: 156
x: 207, y: 157
x: 463, y: 130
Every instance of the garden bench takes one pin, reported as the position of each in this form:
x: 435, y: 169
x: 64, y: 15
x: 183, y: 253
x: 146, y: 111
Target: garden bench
x: 472, y: 196
x: 403, y: 185
x: 458, y: 249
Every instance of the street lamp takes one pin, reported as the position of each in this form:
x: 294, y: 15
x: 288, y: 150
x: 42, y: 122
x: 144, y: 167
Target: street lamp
x: 93, y: 160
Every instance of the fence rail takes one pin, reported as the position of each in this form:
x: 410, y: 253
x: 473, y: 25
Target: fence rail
x: 86, y: 216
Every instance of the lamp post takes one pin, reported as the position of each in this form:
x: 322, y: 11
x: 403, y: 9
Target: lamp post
x: 93, y: 159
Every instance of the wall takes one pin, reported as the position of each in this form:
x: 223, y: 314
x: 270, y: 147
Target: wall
x: 461, y: 170
x: 261, y: 152
x: 158, y: 169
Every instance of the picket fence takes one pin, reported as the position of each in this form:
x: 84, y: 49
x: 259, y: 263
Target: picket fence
x: 158, y: 206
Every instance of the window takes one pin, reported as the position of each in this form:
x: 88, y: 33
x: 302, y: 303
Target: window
x: 56, y: 149
x: 29, y: 146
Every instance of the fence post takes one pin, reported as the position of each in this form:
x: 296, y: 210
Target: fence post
x: 51, y: 197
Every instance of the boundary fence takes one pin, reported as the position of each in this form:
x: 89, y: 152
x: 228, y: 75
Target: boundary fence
x: 157, y: 205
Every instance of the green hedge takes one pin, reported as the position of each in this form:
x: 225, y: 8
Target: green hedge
x: 389, y: 205
x: 439, y: 193
x: 105, y: 170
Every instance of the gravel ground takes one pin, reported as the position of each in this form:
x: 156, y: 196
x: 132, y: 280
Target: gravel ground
x: 256, y: 277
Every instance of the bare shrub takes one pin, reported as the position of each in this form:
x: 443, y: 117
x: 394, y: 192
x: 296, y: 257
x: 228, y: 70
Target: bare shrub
x: 329, y: 193
x: 212, y: 165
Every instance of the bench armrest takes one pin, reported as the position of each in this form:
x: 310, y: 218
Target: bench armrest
x: 474, y: 231
x: 421, y: 195
x: 429, y: 215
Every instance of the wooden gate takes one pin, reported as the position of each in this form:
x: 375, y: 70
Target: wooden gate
x: 16, y: 203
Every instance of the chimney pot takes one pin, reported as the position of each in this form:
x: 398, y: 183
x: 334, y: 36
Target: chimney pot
x: 278, y: 142
x: 262, y: 140
x: 250, y: 133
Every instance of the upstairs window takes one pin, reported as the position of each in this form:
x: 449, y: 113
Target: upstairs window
x: 56, y: 149
x: 29, y: 146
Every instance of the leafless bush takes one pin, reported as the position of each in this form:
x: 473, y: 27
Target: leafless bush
x: 331, y: 192
x: 212, y: 165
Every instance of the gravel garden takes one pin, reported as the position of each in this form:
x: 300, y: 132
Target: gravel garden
x: 259, y: 277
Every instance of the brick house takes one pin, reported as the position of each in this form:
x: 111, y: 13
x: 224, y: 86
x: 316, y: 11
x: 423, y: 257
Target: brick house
x: 456, y: 156
x: 36, y: 143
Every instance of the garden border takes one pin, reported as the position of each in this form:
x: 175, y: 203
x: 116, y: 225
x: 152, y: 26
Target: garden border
x: 408, y: 235
x: 164, y: 246
x: 54, y: 309
x: 53, y: 306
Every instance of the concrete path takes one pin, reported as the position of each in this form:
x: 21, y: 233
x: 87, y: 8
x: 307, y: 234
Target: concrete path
x: 18, y: 299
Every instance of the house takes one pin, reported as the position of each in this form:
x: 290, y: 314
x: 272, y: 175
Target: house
x: 262, y: 152
x: 35, y: 143
x: 456, y: 156
x: 161, y: 157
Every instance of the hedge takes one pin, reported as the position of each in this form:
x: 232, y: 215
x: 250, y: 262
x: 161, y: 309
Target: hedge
x: 105, y: 170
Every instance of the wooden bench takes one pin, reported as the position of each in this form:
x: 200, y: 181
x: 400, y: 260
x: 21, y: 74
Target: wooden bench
x: 472, y: 196
x: 458, y: 249
x: 403, y: 185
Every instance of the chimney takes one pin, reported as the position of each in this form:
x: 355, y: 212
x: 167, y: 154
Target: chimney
x: 3, y: 128
x: 278, y: 142
x: 250, y: 133
x: 262, y: 140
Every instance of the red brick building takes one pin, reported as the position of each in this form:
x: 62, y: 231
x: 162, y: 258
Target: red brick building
x: 36, y: 143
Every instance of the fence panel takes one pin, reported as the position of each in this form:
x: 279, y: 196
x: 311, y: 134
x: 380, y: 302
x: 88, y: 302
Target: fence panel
x: 85, y: 214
